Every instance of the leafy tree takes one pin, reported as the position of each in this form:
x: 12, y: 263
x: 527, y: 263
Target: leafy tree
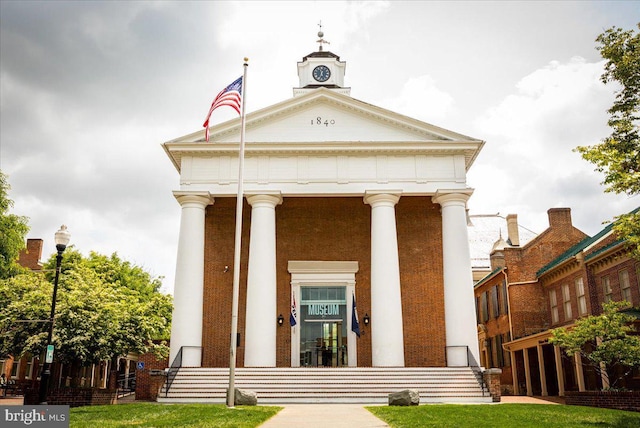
x: 13, y: 230
x: 106, y: 308
x: 25, y: 301
x: 603, y: 339
x: 618, y: 155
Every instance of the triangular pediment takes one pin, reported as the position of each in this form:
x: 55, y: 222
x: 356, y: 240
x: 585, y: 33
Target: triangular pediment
x: 324, y: 120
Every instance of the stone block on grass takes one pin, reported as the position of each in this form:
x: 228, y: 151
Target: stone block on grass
x: 407, y: 397
x: 244, y: 397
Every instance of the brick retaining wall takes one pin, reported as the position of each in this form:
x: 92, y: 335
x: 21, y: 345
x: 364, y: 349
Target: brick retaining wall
x: 74, y: 397
x: 620, y: 400
x: 492, y: 381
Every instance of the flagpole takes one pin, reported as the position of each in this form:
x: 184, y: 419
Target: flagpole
x: 237, y: 248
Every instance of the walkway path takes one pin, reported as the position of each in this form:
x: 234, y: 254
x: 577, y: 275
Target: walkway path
x: 353, y: 415
x: 324, y: 415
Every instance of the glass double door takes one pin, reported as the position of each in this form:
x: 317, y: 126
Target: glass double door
x: 324, y: 344
x: 323, y: 333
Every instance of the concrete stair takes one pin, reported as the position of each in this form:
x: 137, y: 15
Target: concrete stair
x: 326, y: 385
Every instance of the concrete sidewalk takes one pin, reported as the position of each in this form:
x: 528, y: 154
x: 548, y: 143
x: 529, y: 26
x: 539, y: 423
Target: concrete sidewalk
x: 355, y: 415
x: 324, y: 415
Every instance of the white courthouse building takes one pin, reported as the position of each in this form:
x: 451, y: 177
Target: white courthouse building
x: 342, y: 200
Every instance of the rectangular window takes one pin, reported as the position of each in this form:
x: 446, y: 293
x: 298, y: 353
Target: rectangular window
x: 625, y: 285
x: 494, y: 302
x: 504, y: 299
x: 606, y: 289
x: 506, y: 354
x: 29, y: 367
x: 554, y: 306
x: 566, y: 299
x: 499, y: 351
x: 484, y: 310
x: 582, y: 298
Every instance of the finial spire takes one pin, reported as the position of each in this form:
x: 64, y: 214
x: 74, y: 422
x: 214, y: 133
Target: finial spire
x: 321, y: 35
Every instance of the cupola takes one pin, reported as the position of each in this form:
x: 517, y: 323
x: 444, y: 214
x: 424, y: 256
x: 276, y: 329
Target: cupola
x: 321, y: 69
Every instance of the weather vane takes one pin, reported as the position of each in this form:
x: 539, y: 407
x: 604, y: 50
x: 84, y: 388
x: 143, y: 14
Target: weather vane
x: 321, y: 35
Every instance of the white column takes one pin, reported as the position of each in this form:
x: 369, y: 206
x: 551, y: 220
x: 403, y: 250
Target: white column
x: 261, y: 310
x: 514, y: 374
x: 557, y: 352
x: 527, y: 371
x: 459, y: 301
x: 579, y: 372
x: 186, y: 324
x: 543, y: 372
x: 387, y: 341
x: 604, y: 376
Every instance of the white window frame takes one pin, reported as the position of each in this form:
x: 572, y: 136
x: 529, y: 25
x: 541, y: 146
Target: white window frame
x: 566, y: 301
x: 582, y: 298
x: 606, y: 289
x: 625, y: 285
x: 553, y: 301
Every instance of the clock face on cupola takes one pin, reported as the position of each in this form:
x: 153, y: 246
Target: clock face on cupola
x: 321, y: 69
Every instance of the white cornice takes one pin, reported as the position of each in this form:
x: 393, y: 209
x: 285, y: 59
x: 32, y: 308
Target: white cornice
x: 176, y: 150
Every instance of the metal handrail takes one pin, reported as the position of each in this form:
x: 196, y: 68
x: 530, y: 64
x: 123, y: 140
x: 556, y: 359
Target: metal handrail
x: 127, y: 382
x: 477, y: 370
x: 474, y: 366
x: 172, y: 371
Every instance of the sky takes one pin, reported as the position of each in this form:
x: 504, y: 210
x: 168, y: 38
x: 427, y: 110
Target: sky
x: 89, y: 91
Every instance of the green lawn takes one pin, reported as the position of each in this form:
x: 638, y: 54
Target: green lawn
x: 504, y: 415
x: 170, y: 415
x: 435, y: 415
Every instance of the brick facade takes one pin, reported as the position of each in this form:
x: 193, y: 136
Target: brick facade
x: 557, y: 278
x: 528, y: 302
x: 30, y: 256
x: 329, y: 229
x: 620, y: 400
x: 148, y: 380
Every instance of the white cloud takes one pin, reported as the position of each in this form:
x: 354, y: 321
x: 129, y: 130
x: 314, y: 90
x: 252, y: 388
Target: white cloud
x: 421, y: 98
x: 528, y: 164
x: 91, y: 89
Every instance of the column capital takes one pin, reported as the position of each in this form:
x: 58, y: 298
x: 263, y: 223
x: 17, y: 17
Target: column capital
x: 382, y: 197
x: 269, y: 199
x: 447, y: 197
x: 196, y: 198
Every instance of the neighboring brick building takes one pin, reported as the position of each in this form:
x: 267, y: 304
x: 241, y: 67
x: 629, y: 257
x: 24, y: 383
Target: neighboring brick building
x: 510, y: 302
x: 558, y: 277
x: 25, y: 369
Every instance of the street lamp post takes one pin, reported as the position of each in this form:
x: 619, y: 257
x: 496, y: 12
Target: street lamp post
x: 62, y: 238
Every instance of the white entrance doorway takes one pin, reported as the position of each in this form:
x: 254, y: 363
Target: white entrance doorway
x: 323, y: 293
x: 323, y: 327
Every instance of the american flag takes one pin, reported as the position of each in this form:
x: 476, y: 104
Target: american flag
x: 355, y: 324
x: 293, y: 315
x: 229, y: 96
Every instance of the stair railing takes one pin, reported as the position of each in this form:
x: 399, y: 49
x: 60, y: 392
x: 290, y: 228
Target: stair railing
x: 477, y: 371
x: 172, y: 371
x: 473, y: 365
